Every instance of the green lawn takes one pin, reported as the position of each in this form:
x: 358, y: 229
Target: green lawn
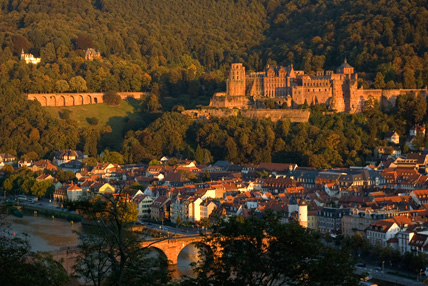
x: 117, y: 117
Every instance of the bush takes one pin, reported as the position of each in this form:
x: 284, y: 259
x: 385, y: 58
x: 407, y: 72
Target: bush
x: 65, y: 114
x: 92, y: 120
x: 111, y: 98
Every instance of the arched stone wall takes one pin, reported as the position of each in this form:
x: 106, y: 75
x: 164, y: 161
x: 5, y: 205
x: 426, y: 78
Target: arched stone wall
x: 61, y: 101
x: 72, y: 99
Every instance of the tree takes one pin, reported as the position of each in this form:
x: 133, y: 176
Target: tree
x: 84, y: 42
x: 20, y: 266
x: 65, y: 176
x: 61, y: 86
x: 78, y: 84
x: 112, y: 157
x: 379, y: 81
x: 111, y: 98
x: 110, y: 254
x: 285, y: 253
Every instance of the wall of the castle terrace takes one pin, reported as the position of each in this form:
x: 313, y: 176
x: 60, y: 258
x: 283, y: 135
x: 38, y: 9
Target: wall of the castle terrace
x: 386, y: 97
x: 295, y: 115
x: 72, y: 99
x: 221, y: 100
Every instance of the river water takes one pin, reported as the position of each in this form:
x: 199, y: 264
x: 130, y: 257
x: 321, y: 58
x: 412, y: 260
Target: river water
x: 47, y: 234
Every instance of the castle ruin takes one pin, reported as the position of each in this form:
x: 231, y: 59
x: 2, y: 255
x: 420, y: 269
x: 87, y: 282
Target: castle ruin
x: 339, y: 91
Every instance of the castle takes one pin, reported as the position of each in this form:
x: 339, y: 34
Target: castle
x: 339, y: 91
x: 29, y: 58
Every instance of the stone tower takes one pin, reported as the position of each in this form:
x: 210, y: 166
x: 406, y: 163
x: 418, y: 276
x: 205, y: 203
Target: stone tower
x: 236, y: 80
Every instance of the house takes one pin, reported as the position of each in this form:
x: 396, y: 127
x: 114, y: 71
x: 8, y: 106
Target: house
x: 313, y: 220
x: 359, y: 219
x: 415, y: 132
x: 42, y: 165
x: 419, y: 242
x: 29, y: 58
x: 207, y: 207
x: 420, y: 196
x: 24, y: 163
x: 383, y: 152
x: 44, y: 177
x: 383, y: 232
x: 164, y: 160
x: 60, y: 194
x: 144, y: 204
x: 380, y: 232
x: 91, y: 54
x: 392, y: 137
x: 7, y: 158
x: 278, y: 184
x: 101, y: 188
x: 417, y: 129
x: 65, y: 156
x: 330, y: 220
x: 160, y: 208
x: 75, y: 193
x: 73, y: 166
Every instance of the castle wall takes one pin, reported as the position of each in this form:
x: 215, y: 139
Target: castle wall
x: 386, y: 97
x: 221, y: 100
x: 295, y: 115
x: 72, y: 99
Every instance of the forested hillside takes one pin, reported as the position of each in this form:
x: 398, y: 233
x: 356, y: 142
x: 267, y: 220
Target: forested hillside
x: 181, y: 50
x: 185, y: 46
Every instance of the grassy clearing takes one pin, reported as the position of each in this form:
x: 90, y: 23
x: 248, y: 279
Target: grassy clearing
x: 119, y: 118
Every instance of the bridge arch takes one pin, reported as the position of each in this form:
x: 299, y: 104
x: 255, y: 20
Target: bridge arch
x: 172, y: 246
x: 52, y: 101
x: 61, y: 101
x: 44, y: 101
x: 79, y: 100
x: 87, y: 99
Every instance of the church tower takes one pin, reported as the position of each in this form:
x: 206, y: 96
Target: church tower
x: 236, y: 80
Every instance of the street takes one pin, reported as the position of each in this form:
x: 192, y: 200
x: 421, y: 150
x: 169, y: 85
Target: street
x: 377, y: 273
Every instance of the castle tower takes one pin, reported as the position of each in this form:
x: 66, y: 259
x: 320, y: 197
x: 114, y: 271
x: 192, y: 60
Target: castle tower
x: 345, y: 68
x: 303, y: 213
x: 22, y: 55
x: 236, y: 80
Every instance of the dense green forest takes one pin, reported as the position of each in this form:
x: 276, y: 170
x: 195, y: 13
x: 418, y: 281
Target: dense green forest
x: 184, y: 47
x: 181, y: 51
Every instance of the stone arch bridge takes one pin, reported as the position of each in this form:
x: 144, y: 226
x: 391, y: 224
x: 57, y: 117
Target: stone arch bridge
x: 72, y: 99
x: 172, y: 247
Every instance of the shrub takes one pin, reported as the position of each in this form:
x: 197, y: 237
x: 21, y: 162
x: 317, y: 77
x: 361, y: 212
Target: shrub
x: 111, y: 98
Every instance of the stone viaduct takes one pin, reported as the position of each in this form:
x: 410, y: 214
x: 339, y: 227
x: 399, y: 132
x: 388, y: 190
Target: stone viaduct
x: 72, y: 99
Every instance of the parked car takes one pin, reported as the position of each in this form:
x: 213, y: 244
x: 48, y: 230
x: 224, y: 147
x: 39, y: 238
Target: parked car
x: 361, y: 264
x: 22, y: 198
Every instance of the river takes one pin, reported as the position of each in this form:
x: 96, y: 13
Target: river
x: 47, y: 234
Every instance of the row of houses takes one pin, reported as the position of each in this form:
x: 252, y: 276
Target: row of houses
x: 384, y: 203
